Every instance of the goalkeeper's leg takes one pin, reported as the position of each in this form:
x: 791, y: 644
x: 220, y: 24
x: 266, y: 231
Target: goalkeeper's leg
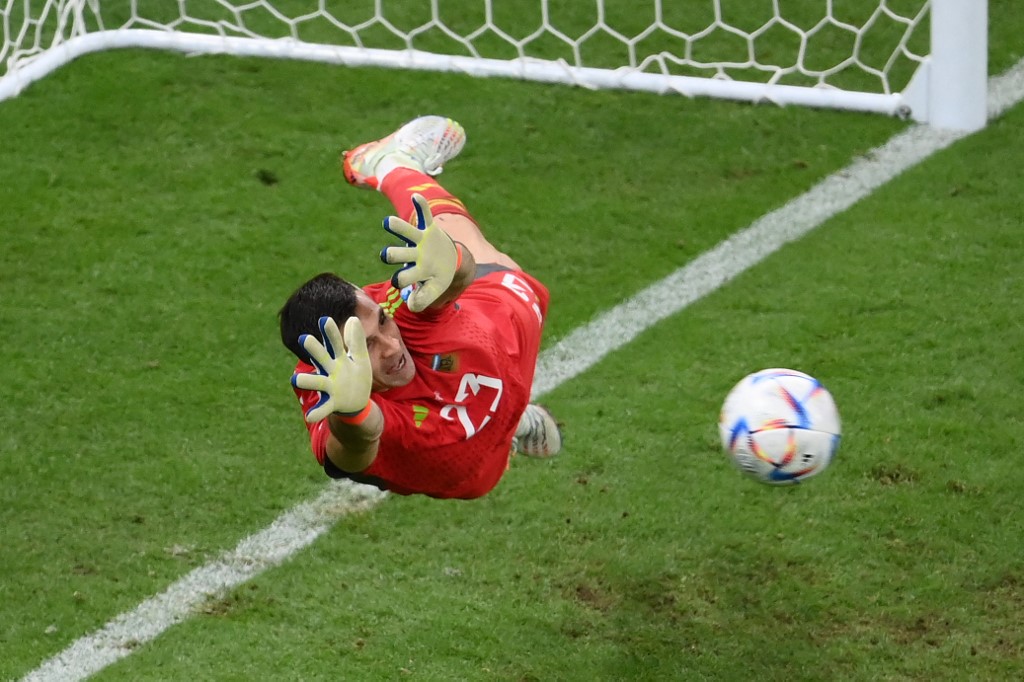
x: 404, y: 163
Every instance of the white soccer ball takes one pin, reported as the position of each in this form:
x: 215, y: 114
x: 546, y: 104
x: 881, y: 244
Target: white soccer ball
x: 780, y: 426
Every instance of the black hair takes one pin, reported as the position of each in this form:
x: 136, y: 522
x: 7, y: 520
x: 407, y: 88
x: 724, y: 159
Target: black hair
x: 326, y: 294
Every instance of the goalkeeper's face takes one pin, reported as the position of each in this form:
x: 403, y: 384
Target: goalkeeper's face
x: 389, y: 358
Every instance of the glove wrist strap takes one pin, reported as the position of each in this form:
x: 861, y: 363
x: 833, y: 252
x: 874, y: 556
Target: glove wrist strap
x: 357, y: 418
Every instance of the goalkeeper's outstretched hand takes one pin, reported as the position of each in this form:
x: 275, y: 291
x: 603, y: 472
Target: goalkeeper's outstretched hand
x: 430, y: 257
x: 344, y: 375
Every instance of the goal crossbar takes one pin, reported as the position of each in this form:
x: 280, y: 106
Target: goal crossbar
x: 946, y: 90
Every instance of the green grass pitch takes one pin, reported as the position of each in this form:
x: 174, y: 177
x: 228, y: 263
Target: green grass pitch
x: 149, y: 234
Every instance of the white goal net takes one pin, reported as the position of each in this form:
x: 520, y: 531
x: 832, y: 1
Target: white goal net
x: 881, y: 56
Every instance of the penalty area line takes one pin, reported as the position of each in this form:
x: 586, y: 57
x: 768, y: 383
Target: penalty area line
x: 300, y: 526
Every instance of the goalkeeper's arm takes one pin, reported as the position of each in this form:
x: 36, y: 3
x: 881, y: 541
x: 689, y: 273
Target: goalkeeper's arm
x: 353, y: 447
x: 436, y: 268
x: 464, y: 275
x: 344, y: 379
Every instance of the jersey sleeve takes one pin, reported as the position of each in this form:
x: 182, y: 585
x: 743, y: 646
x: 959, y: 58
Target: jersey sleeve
x: 318, y: 431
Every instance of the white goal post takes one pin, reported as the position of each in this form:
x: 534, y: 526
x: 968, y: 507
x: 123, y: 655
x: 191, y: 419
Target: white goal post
x: 919, y: 59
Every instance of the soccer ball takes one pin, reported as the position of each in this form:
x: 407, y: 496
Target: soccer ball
x: 780, y: 426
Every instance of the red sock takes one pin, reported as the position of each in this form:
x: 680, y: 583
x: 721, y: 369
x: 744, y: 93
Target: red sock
x: 400, y: 184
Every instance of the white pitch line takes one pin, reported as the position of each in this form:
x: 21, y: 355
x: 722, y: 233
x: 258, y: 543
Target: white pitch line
x: 587, y: 345
x: 297, y: 528
x: 289, y: 533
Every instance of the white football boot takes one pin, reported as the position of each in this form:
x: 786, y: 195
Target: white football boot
x: 424, y: 144
x: 538, y: 434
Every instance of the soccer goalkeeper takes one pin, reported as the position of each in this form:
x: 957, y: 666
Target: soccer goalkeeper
x: 421, y: 384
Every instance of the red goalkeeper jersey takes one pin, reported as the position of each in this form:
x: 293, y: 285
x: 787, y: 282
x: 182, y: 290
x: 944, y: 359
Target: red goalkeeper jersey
x: 448, y: 433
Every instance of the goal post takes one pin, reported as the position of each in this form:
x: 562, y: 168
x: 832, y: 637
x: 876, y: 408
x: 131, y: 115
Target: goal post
x: 957, y: 69
x: 919, y: 59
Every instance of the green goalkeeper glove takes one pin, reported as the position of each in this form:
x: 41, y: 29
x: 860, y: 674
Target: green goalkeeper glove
x: 430, y: 256
x: 344, y: 376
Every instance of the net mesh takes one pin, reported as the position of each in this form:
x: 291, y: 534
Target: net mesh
x: 850, y: 45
